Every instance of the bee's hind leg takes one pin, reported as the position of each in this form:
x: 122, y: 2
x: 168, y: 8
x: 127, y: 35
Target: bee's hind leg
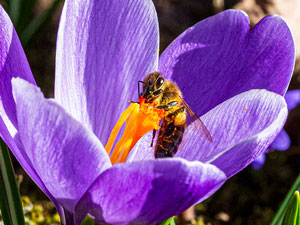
x: 153, y: 137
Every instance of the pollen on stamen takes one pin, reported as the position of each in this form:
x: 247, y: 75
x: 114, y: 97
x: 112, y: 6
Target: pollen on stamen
x: 140, y: 119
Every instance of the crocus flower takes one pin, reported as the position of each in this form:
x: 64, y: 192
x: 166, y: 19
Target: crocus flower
x: 282, y: 142
x: 232, y: 76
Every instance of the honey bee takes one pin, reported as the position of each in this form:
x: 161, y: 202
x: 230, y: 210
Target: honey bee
x: 166, y: 95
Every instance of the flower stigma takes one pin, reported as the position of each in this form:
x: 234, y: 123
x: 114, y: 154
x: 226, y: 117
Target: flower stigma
x: 140, y: 118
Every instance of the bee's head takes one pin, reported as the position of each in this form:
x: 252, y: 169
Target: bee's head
x: 152, y: 86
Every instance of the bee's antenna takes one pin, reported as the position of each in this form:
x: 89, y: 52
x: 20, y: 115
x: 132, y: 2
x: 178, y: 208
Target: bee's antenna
x: 139, y: 93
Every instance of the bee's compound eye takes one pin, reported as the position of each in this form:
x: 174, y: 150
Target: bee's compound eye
x: 159, y: 82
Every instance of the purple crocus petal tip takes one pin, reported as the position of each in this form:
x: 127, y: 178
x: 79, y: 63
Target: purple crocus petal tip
x: 220, y: 57
x: 66, y: 156
x: 259, y: 161
x: 282, y: 142
x: 13, y: 63
x: 103, y: 49
x: 241, y: 127
x: 292, y: 99
x: 148, y: 192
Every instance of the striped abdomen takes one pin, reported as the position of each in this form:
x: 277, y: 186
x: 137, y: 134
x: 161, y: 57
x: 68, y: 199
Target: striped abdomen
x: 170, y: 135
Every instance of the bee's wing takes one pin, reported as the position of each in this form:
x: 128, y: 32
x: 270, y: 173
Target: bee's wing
x: 197, y: 124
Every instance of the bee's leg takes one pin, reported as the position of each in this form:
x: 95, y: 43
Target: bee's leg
x: 133, y: 102
x: 162, y: 107
x: 153, y: 137
x: 169, y: 105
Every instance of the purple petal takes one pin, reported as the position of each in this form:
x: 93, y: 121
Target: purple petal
x: 18, y: 150
x: 142, y: 150
x: 259, y: 161
x: 241, y: 127
x: 66, y: 156
x: 219, y: 58
x: 13, y: 63
x: 150, y: 191
x: 103, y: 49
x: 292, y: 99
x: 282, y: 142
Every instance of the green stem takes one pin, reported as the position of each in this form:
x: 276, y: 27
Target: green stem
x: 280, y: 212
x: 10, y: 202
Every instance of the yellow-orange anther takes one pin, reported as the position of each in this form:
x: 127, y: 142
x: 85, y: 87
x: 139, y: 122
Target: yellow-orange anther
x: 140, y: 119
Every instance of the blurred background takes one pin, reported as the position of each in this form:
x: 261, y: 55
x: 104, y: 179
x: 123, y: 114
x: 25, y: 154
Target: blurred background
x: 251, y: 196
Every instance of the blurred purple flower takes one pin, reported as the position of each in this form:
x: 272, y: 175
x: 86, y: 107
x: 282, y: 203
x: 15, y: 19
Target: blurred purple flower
x: 233, y: 77
x: 282, y: 142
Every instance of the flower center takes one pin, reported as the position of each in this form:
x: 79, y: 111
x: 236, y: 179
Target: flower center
x: 140, y: 119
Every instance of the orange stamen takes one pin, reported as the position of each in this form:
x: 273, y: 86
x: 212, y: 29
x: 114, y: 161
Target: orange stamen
x: 140, y: 119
